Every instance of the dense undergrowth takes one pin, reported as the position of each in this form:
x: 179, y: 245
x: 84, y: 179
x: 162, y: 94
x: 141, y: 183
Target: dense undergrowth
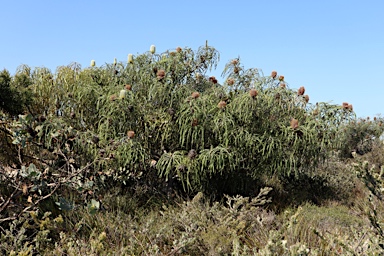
x: 155, y: 157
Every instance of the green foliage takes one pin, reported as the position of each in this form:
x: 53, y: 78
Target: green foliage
x: 360, y: 136
x: 161, y: 126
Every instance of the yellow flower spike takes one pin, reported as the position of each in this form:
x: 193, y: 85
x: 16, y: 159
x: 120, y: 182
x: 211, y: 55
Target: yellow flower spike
x: 93, y: 63
x: 152, y: 49
x: 115, y: 61
x: 122, y: 94
x: 130, y: 58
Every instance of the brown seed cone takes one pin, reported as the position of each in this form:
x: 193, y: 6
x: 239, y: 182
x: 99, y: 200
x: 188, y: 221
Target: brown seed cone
x: 283, y: 85
x: 195, y: 122
x: 350, y: 107
x: 42, y: 118
x: 213, y: 79
x: 195, y: 95
x: 234, y: 62
x: 301, y: 90
x: 222, y: 104
x: 160, y: 74
x: 281, y: 78
x: 179, y: 49
x: 230, y: 81
x: 192, y: 154
x: 306, y: 98
x: 294, y: 123
x: 113, y: 97
x: 236, y: 70
x: 128, y: 87
x: 253, y: 93
x: 345, y: 105
x: 130, y: 134
x: 273, y: 74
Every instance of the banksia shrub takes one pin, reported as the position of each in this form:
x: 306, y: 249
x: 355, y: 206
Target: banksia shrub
x: 301, y: 91
x: 130, y: 134
x: 195, y: 95
x: 222, y: 104
x: 294, y: 123
x: 253, y: 93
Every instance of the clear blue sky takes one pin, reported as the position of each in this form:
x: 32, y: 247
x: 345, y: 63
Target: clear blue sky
x: 333, y: 48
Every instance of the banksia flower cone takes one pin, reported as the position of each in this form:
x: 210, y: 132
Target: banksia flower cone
x: 195, y: 122
x: 350, y: 107
x: 306, y: 98
x: 282, y: 85
x: 179, y: 49
x: 128, y: 87
x: 113, y: 97
x: 253, y: 93
x: 230, y: 81
x: 130, y: 134
x: 160, y: 74
x: 195, y: 95
x: 222, y: 104
x: 213, y: 79
x: 294, y: 123
x: 273, y: 74
x: 93, y: 63
x: 152, y: 49
x: 281, y: 78
x: 301, y: 91
x: 345, y: 105
x: 122, y: 94
x: 130, y: 58
x: 192, y: 154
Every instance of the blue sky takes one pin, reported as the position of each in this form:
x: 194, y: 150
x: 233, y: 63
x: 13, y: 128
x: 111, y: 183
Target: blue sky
x: 333, y: 48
